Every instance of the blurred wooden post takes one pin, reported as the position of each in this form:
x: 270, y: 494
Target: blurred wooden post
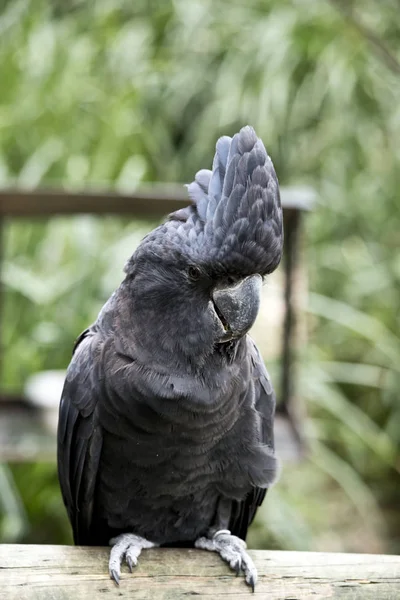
x: 288, y: 405
x: 78, y: 573
x: 1, y: 294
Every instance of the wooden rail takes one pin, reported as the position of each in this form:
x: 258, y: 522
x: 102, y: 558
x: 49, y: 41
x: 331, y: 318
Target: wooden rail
x: 66, y: 572
x: 151, y: 201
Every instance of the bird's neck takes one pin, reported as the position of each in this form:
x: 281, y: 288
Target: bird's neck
x: 157, y: 337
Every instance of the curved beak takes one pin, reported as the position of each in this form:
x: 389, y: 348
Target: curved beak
x: 237, y: 306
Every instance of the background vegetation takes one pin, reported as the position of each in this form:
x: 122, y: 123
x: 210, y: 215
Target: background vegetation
x: 121, y: 92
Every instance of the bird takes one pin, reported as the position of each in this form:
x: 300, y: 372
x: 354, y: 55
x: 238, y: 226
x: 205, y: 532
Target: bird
x: 165, y: 432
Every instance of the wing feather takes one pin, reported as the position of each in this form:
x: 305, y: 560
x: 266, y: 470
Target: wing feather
x: 243, y: 513
x: 80, y: 436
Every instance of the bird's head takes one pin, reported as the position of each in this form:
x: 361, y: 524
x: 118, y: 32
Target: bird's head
x: 196, y: 280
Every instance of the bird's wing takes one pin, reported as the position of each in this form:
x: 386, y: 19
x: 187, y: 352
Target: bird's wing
x: 79, y: 433
x: 244, y: 512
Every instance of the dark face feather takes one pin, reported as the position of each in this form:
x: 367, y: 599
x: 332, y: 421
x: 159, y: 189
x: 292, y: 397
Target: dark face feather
x: 197, y: 276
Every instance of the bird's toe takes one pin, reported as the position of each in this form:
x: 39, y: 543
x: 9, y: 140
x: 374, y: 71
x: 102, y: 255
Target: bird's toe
x: 233, y: 551
x: 128, y: 546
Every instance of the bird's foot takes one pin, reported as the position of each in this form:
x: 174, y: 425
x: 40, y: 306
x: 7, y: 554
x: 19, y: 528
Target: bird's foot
x: 233, y: 551
x: 126, y: 545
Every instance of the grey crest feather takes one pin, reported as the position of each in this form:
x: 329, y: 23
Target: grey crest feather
x: 198, y: 191
x: 235, y: 222
x: 239, y: 204
x: 219, y: 167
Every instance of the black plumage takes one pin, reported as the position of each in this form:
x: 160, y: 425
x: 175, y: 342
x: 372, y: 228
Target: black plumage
x: 166, y: 417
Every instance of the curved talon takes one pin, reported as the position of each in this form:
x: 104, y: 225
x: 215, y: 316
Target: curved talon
x: 129, y: 562
x: 115, y: 576
x: 251, y: 582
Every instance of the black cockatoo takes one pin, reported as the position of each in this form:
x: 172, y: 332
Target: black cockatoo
x: 165, y: 430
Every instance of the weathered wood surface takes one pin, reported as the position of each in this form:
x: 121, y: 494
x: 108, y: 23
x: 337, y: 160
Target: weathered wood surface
x: 68, y: 573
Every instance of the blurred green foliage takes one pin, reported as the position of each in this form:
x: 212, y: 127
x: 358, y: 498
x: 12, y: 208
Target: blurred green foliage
x: 126, y: 92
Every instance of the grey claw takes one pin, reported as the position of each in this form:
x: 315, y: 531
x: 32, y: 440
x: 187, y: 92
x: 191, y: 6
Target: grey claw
x: 237, y: 566
x: 252, y: 584
x: 115, y: 575
x: 129, y: 563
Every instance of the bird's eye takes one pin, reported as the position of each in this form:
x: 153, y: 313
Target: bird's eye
x: 194, y: 273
